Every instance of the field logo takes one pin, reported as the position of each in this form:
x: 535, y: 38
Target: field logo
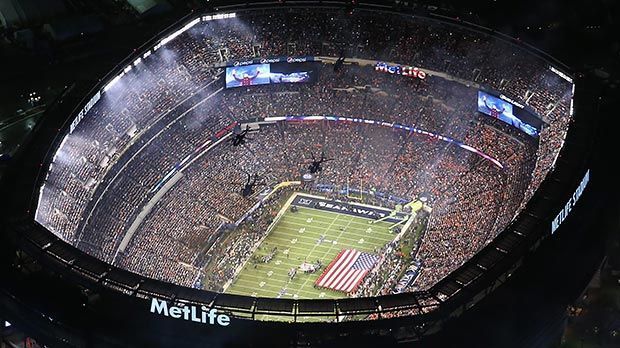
x: 304, y: 201
x: 371, y: 213
x: 201, y: 315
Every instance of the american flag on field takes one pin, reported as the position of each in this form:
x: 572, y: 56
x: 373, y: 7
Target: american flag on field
x: 347, y: 270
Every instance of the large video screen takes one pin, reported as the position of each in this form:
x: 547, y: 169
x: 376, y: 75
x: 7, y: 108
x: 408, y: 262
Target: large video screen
x: 511, y: 114
x: 293, y: 72
x: 263, y: 74
x: 248, y: 75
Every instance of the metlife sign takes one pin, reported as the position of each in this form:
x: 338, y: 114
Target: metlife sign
x: 555, y: 224
x: 201, y: 315
x: 85, y: 110
x: 404, y: 70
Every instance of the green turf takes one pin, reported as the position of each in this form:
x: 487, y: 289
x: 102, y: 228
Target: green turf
x: 296, y: 235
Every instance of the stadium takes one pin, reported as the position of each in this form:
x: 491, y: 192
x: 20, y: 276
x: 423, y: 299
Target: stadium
x: 283, y: 166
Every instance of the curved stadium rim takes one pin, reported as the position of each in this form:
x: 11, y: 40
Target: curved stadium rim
x: 457, y: 291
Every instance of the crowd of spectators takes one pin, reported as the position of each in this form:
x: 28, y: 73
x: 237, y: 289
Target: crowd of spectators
x: 173, y: 102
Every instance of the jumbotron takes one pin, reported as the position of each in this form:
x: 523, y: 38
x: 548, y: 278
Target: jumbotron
x: 261, y: 153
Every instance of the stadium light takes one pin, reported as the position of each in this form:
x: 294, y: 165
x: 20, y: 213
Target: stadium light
x: 561, y: 74
x: 113, y: 82
x: 219, y: 16
x: 177, y: 33
x: 572, y: 100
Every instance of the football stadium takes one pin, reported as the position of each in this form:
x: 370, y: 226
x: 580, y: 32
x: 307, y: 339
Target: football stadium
x: 305, y: 165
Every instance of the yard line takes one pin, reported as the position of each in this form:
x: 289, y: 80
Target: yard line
x: 356, y: 219
x: 303, y: 223
x: 250, y: 289
x: 337, y: 238
x: 304, y: 284
x: 361, y: 234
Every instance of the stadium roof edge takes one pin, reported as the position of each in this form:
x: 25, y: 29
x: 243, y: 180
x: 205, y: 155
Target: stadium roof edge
x: 36, y: 239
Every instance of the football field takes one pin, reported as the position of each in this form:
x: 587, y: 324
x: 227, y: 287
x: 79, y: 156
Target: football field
x: 307, y: 235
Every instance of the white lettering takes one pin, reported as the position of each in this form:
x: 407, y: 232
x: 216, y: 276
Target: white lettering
x: 247, y: 62
x: 159, y: 307
x: 563, y: 214
x: 175, y: 312
x: 363, y: 211
x: 194, y: 317
x: 561, y: 74
x: 404, y: 70
x: 223, y: 320
x: 296, y: 60
x: 85, y: 110
x: 501, y: 96
x: 203, y: 315
x: 212, y: 314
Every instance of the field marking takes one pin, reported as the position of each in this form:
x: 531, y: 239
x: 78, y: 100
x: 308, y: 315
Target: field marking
x: 310, y: 210
x: 296, y: 243
x: 310, y: 242
x: 274, y: 288
x: 360, y: 220
x: 337, y: 238
x: 352, y: 232
x: 249, y: 281
x: 355, y: 224
x: 287, y: 228
x: 311, y: 251
x: 296, y: 223
x: 256, y: 246
x: 300, y: 289
x: 348, y: 236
